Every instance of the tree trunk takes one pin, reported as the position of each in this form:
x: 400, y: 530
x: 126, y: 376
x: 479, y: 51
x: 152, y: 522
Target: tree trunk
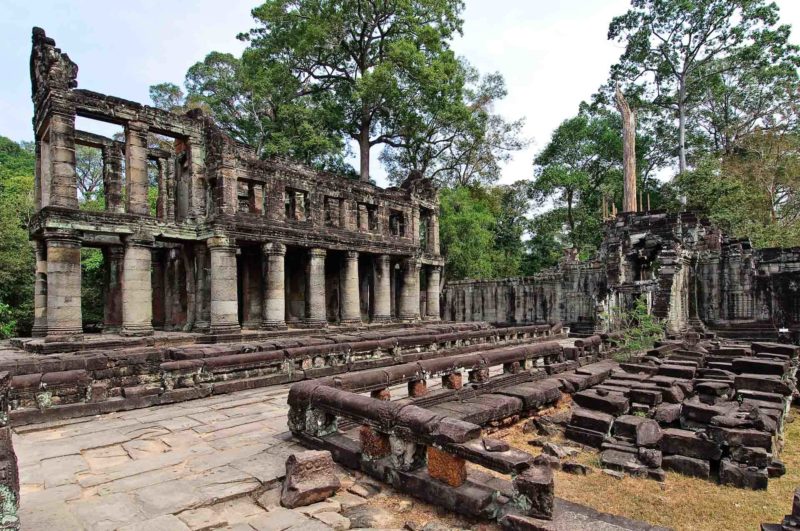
x: 628, y: 152
x: 363, y: 148
x: 682, y: 129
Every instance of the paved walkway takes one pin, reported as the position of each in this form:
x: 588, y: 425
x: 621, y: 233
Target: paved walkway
x: 132, y: 467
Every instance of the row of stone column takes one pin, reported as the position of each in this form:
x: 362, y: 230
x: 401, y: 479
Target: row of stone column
x: 58, y: 287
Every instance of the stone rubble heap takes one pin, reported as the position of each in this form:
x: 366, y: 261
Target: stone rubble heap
x: 699, y: 408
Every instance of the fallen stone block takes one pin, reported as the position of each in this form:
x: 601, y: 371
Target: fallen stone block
x: 763, y: 383
x: 591, y: 420
x: 688, y: 466
x: 694, y: 410
x: 648, y: 433
x: 667, y: 413
x: 538, y: 486
x: 613, y: 403
x: 776, y: 468
x: 623, y: 461
x: 757, y: 457
x: 571, y: 467
x: 646, y: 396
x: 760, y: 366
x: 310, y: 478
x: 584, y: 436
x: 742, y: 476
x: 678, y: 371
x: 688, y: 443
x: 740, y: 437
x: 650, y: 457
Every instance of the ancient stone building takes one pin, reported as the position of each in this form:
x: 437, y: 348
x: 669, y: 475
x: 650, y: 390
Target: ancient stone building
x: 692, y: 275
x: 231, y: 241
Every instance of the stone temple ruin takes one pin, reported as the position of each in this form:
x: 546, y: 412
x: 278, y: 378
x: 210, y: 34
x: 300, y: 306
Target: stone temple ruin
x: 245, y: 273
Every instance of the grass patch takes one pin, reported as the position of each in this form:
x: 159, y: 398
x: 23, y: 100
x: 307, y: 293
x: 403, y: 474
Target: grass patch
x: 682, y: 503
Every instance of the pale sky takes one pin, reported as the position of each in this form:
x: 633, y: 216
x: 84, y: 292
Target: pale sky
x: 553, y: 54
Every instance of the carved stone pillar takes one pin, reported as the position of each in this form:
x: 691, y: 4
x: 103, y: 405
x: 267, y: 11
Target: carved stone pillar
x: 434, y: 279
x: 40, y: 291
x: 202, y: 289
x: 382, y: 310
x: 136, y: 182
x: 274, y: 289
x: 315, y: 288
x: 351, y: 302
x: 64, y: 286
x: 112, y: 178
x: 434, y: 246
x: 409, y: 297
x: 137, y: 288
x: 224, y: 290
x: 64, y: 184
x: 252, y: 290
x: 112, y: 309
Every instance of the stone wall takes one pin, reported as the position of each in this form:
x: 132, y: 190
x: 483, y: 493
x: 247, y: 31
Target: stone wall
x: 692, y: 275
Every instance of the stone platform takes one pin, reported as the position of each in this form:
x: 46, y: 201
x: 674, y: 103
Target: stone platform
x: 193, y: 465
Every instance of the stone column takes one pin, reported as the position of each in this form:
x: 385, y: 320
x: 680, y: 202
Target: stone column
x: 315, y: 288
x: 64, y: 320
x: 112, y: 178
x: 434, y: 278
x: 112, y: 309
x: 40, y: 291
x: 137, y: 288
x: 409, y: 297
x: 274, y: 288
x: 136, y: 182
x: 434, y: 246
x: 169, y: 177
x: 224, y: 294
x: 351, y: 301
x: 382, y: 310
x: 162, y: 200
x: 252, y: 290
x: 202, y: 311
x: 63, y: 184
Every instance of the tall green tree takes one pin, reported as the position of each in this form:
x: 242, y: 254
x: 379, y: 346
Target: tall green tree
x: 363, y: 60
x: 455, y: 138
x: 675, y: 48
x: 17, y: 163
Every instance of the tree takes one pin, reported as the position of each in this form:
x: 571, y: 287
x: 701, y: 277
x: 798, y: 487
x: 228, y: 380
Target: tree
x: 480, y: 230
x: 89, y: 170
x: 17, y: 162
x: 580, y: 164
x: 259, y: 104
x: 457, y: 141
x: 675, y: 48
x: 362, y: 60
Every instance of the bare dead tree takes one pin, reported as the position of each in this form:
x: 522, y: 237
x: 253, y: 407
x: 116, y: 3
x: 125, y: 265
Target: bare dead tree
x: 628, y: 151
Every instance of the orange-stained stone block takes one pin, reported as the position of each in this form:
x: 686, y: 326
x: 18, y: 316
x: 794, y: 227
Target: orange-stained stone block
x: 453, y: 381
x: 447, y: 468
x: 373, y: 443
x: 417, y: 388
x: 381, y: 394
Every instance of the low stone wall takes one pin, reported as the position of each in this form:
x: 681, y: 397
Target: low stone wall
x: 420, y: 444
x: 93, y: 382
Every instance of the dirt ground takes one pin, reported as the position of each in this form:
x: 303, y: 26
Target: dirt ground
x: 682, y: 503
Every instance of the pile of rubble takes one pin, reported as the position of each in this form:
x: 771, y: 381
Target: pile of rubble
x: 699, y: 408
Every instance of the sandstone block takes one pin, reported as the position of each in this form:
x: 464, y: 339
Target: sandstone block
x: 613, y: 403
x: 538, y: 486
x: 688, y: 466
x: 742, y: 476
x: 310, y: 478
x: 445, y: 467
x: 689, y: 444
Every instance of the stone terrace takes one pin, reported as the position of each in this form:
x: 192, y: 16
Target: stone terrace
x: 192, y: 465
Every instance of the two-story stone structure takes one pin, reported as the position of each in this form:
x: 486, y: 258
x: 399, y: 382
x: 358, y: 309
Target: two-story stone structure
x: 231, y: 242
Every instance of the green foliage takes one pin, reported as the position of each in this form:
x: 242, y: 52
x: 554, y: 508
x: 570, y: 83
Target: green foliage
x: 480, y: 231
x: 695, y: 61
x: 364, y: 63
x: 640, y: 329
x: 17, y: 163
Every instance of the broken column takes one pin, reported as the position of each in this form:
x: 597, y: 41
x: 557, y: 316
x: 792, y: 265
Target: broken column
x: 136, y: 183
x: 351, y: 310
x: 383, y: 289
x: 274, y: 290
x: 63, y: 286
x: 409, y: 297
x: 315, y: 288
x: 224, y: 304
x: 434, y: 279
x: 137, y: 290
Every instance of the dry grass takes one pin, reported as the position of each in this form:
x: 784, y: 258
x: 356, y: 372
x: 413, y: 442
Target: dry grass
x: 681, y: 503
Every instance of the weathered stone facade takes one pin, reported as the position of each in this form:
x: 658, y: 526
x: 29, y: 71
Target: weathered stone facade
x: 693, y: 275
x: 233, y: 241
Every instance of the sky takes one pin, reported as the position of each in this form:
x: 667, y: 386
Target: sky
x: 553, y: 54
